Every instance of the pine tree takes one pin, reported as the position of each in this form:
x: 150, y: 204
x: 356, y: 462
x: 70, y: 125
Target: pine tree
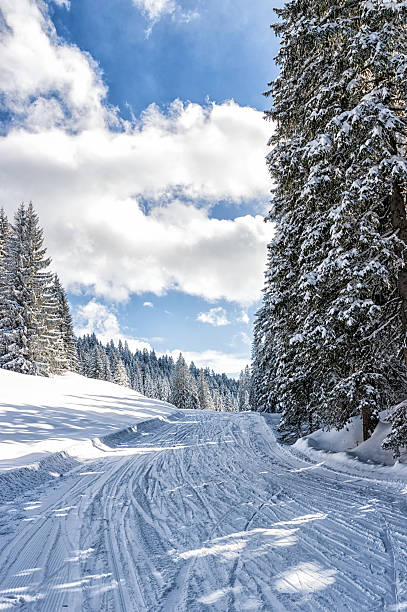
x: 261, y: 396
x: 229, y: 404
x: 64, y: 326
x: 204, y: 397
x: 100, y: 366
x: 218, y: 405
x: 397, y: 438
x: 137, y: 378
x: 120, y: 376
x: 149, y: 389
x: 27, y: 305
x: 4, y: 234
x: 181, y: 385
x: 244, y: 390
x: 336, y: 283
x: 193, y: 402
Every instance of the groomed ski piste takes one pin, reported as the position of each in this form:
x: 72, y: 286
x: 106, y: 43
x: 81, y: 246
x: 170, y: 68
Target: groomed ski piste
x: 114, y: 502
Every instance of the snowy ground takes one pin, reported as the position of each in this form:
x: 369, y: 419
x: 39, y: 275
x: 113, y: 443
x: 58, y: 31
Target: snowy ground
x: 203, y: 511
x: 345, y: 451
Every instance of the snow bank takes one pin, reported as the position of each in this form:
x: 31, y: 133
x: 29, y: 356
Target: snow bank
x: 345, y: 450
x: 48, y: 426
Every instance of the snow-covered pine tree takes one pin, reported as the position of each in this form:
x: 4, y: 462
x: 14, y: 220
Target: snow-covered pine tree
x: 64, y: 325
x: 335, y: 283
x: 204, y: 397
x: 218, y: 404
x: 193, y: 403
x: 396, y: 440
x: 181, y: 385
x: 149, y: 386
x: 118, y: 369
x: 229, y: 405
x: 28, y: 308
x: 137, y: 377
x: 261, y: 398
x: 100, y: 365
x: 4, y: 232
x: 244, y: 390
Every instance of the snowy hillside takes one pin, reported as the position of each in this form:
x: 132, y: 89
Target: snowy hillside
x: 43, y: 416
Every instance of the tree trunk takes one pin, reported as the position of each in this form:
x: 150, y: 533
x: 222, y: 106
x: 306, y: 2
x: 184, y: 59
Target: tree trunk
x: 399, y: 223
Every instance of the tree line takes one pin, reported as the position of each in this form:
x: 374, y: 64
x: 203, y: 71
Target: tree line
x: 187, y: 387
x: 330, y: 336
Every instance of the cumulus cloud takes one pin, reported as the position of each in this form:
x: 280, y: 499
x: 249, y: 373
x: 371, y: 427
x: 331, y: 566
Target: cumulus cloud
x: 89, y: 181
x: 42, y: 76
x: 216, y: 317
x: 96, y: 318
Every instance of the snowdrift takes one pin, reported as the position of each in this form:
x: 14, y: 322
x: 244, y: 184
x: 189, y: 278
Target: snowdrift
x: 346, y: 451
x: 48, y: 426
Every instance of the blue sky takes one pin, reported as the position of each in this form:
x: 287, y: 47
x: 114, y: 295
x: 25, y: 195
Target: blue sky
x: 136, y: 128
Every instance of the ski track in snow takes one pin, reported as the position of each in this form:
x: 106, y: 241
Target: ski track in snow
x: 206, y: 512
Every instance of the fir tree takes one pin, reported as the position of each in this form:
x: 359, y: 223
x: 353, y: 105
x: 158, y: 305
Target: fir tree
x: 120, y: 376
x: 218, y: 405
x: 193, y: 403
x: 4, y: 234
x: 397, y: 438
x: 181, y: 385
x: 335, y: 285
x: 100, y: 366
x: 68, y: 358
x: 244, y: 390
x: 204, y: 397
x: 27, y: 304
x: 261, y: 395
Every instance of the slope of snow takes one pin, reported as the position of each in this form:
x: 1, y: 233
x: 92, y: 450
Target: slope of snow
x: 49, y: 425
x: 345, y: 449
x: 39, y: 415
x: 207, y: 512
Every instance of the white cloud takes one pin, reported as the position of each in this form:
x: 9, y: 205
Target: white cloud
x: 218, y: 361
x: 154, y: 9
x: 244, y: 317
x: 40, y: 76
x: 148, y: 305
x: 87, y: 180
x: 216, y: 317
x: 96, y: 318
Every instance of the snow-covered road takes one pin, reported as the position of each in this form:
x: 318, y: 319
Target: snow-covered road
x: 206, y: 512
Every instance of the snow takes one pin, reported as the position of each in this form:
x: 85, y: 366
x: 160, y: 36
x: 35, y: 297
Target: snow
x: 49, y: 425
x: 186, y: 512
x: 345, y: 449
